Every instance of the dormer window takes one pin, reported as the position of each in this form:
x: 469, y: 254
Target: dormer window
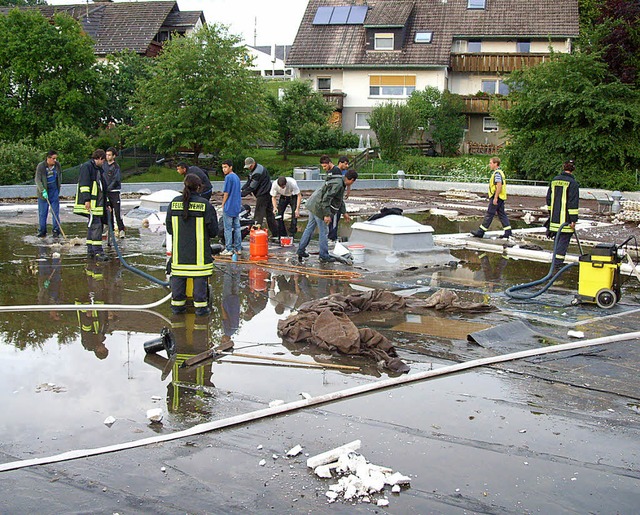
x: 476, y: 4
x: 423, y: 37
x: 383, y: 41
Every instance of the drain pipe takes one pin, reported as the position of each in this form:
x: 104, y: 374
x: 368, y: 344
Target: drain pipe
x: 314, y: 401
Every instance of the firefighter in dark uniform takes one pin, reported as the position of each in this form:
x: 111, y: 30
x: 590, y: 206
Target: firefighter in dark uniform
x: 91, y: 201
x: 563, y: 197
x: 192, y: 221
x: 93, y: 323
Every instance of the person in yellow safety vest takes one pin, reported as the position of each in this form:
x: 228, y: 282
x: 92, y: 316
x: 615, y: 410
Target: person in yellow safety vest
x: 563, y: 197
x: 192, y: 221
x: 497, y: 197
x: 91, y: 201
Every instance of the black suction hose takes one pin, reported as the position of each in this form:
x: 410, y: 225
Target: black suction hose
x: 124, y: 263
x: 550, y: 278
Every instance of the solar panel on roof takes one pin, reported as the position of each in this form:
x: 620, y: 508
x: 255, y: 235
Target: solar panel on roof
x: 323, y: 15
x: 340, y: 15
x: 357, y: 15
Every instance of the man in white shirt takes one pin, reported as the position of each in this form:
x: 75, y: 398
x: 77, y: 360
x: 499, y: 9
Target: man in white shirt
x: 285, y: 192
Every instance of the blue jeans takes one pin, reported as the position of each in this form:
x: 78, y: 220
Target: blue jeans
x: 232, y: 232
x: 43, y: 211
x: 322, y: 238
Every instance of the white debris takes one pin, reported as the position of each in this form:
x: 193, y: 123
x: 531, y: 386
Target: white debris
x: 323, y: 471
x: 262, y: 463
x: 333, y: 454
x: 332, y: 496
x: 163, y: 469
x: 397, y: 479
x: 277, y: 402
x: 294, y: 451
x: 359, y: 480
x: 154, y: 415
x: 109, y: 421
x: 55, y: 255
x: 305, y: 395
x: 274, y: 456
x: 259, y: 447
x: 575, y: 334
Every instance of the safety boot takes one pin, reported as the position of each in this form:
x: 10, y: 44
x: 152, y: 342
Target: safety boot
x: 479, y: 233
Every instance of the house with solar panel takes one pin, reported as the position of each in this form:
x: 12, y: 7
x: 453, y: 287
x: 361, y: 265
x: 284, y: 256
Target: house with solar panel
x: 360, y: 53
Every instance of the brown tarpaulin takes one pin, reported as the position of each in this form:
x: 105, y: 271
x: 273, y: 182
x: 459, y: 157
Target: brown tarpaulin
x: 324, y: 322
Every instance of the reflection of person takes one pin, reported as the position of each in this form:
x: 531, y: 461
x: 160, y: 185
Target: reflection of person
x: 184, y: 169
x: 323, y: 203
x: 93, y: 323
x: 497, y: 196
x: 493, y: 274
x: 91, y: 202
x: 48, y: 183
x: 230, y: 302
x: 283, y: 293
x: 49, y: 279
x: 113, y: 180
x: 259, y: 184
x: 192, y: 221
x: 563, y: 197
x: 284, y: 193
x: 231, y: 208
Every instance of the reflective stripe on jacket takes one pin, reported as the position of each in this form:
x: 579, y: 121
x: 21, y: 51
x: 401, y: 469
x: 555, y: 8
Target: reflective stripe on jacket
x: 91, y: 188
x: 191, y: 249
x: 492, y: 184
x: 563, y: 197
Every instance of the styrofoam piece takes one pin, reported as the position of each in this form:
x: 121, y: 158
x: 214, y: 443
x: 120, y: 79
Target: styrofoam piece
x: 277, y: 402
x: 154, y: 414
x: 294, y: 451
x: 396, y: 489
x: 109, y: 421
x: 262, y: 463
x: 397, y: 479
x: 383, y: 502
x: 323, y: 471
x: 340, y: 250
x: 305, y: 395
x: 333, y: 454
x: 575, y: 334
x: 332, y: 496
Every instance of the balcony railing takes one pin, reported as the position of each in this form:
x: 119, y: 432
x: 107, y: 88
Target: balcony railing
x: 336, y: 99
x: 495, y: 62
x: 482, y: 105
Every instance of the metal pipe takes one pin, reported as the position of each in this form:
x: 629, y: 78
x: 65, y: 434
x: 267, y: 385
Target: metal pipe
x: 314, y: 401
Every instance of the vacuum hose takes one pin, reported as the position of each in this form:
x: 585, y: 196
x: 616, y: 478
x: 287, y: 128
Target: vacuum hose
x: 550, y: 278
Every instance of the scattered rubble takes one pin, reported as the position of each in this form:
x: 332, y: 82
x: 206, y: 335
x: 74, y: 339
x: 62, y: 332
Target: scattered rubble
x: 357, y: 478
x: 50, y: 387
x: 154, y: 415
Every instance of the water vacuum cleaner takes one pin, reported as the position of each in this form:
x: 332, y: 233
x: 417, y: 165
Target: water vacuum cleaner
x: 598, y: 276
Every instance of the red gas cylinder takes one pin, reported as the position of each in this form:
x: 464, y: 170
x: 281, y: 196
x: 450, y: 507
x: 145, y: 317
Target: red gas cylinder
x: 258, y: 244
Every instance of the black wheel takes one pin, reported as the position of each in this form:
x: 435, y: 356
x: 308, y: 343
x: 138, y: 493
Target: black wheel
x: 606, y: 298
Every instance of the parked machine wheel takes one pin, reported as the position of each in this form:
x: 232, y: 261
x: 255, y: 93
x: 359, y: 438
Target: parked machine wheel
x: 606, y: 298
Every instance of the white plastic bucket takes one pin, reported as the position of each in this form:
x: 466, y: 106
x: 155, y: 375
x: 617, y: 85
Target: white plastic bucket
x: 357, y: 251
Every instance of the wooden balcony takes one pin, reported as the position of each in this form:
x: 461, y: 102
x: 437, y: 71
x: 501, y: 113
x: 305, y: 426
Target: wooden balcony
x: 482, y: 105
x: 495, y: 63
x: 336, y: 99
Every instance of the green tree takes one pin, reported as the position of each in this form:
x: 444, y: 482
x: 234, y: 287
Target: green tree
x: 440, y: 114
x: 299, y: 113
x: 20, y: 3
x: 47, y: 75
x: 71, y: 143
x: 120, y: 74
x: 201, y: 95
x: 572, y: 107
x: 393, y: 124
x: 18, y: 161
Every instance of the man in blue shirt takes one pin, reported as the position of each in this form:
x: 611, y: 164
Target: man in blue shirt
x: 48, y: 182
x: 231, y: 208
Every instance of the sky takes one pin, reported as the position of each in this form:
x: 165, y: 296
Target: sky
x: 276, y: 21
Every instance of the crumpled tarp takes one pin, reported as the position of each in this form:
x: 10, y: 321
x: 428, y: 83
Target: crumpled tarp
x: 324, y: 322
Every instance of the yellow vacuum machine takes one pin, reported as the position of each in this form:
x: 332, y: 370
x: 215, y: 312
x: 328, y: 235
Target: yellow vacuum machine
x: 599, y: 275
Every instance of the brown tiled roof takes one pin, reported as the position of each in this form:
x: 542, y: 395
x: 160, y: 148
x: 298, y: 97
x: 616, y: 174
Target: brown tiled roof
x: 344, y: 45
x: 122, y: 26
x: 389, y: 14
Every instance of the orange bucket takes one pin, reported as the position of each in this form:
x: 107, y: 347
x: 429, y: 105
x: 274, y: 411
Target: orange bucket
x: 286, y: 241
